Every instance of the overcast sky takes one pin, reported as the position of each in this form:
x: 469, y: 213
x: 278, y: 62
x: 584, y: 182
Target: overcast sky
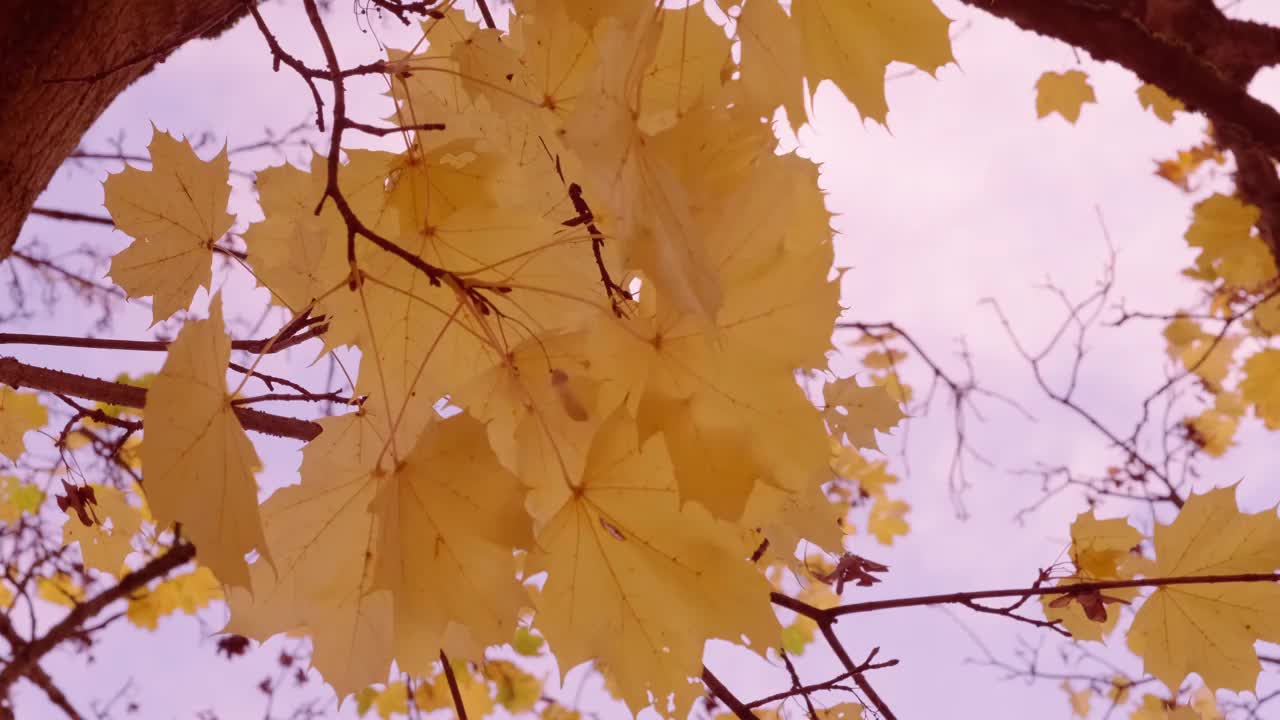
x: 966, y: 195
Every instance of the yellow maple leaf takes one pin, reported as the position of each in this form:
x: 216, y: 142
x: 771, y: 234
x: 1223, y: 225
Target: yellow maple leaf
x: 853, y: 411
x: 394, y: 700
x: 148, y: 606
x: 17, y: 499
x: 1210, y: 629
x: 1180, y: 168
x: 1100, y: 550
x: 648, y: 201
x: 1099, y: 547
x: 691, y: 61
x: 843, y: 711
x: 436, y: 694
x: 299, y: 255
x: 1204, y: 353
x: 1156, y: 708
x: 1205, y: 704
x: 712, y: 459
x: 882, y: 359
x: 872, y: 476
x: 851, y: 44
x: 1259, y: 387
x: 888, y: 519
x: 198, y: 462
x: 772, y: 63
x: 802, y: 630
x: 380, y: 559
x: 174, y: 212
x: 541, y: 410
x: 555, y: 711
x: 557, y: 57
x: 1222, y: 228
x: 104, y: 543
x: 321, y: 537
x: 448, y: 521
x: 789, y: 517
x: 195, y: 589
x: 60, y: 589
x: 640, y: 582
x: 19, y: 413
x: 1159, y: 102
x: 1064, y: 93
x: 1214, y: 428
x: 517, y: 690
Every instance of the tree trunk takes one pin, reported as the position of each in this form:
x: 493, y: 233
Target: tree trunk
x: 64, y: 62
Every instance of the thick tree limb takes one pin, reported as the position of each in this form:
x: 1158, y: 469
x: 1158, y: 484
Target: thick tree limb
x: 35, y: 673
x: 18, y: 375
x: 64, y: 62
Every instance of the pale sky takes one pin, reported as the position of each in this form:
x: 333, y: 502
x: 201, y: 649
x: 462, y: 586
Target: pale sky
x: 967, y: 195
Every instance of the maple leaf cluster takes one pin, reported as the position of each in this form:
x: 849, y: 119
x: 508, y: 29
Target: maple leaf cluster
x: 581, y: 299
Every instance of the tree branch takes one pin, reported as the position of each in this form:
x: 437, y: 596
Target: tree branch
x: 963, y: 598
x: 31, y: 653
x: 859, y: 679
x: 731, y: 701
x: 1189, y: 49
x: 453, y: 687
x: 18, y: 375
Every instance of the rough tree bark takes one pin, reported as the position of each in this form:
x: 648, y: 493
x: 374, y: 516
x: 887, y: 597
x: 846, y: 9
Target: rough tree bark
x: 64, y: 62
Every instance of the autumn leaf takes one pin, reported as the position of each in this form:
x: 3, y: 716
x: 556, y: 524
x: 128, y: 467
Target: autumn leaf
x: 198, y: 463
x: 1206, y: 354
x: 1260, y: 384
x: 1179, y: 169
x: 187, y: 592
x: 175, y: 213
x: 888, y: 519
x: 1155, y: 708
x: 411, y: 557
x: 19, y: 414
x: 526, y: 643
x: 851, y: 44
x: 1210, y: 629
x: 17, y: 499
x: 447, y: 522
x: 321, y: 536
x: 299, y: 255
x: 517, y: 690
x: 853, y: 411
x: 436, y: 694
x: 843, y: 711
x: 773, y: 55
x: 1222, y: 228
x: 1214, y: 428
x: 60, y: 589
x: 638, y: 581
x: 1064, y: 93
x: 1099, y: 550
x: 104, y: 543
x: 1159, y: 103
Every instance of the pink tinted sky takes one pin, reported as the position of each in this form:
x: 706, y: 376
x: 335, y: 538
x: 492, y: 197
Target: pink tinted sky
x: 967, y: 195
